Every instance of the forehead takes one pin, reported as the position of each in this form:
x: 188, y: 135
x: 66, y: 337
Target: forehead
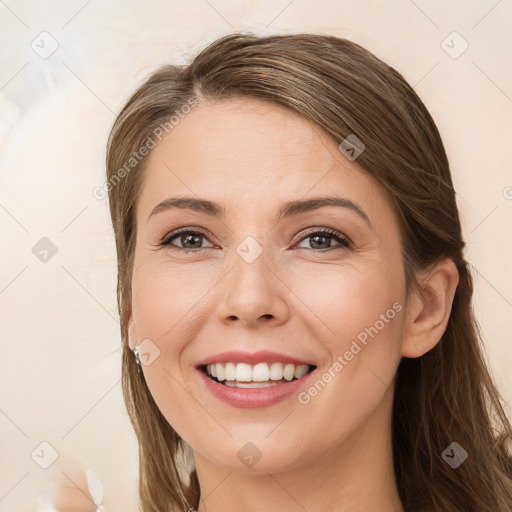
x: 252, y: 152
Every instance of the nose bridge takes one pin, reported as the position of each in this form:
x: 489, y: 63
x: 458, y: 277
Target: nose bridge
x: 250, y: 250
x: 250, y: 267
x: 252, y: 290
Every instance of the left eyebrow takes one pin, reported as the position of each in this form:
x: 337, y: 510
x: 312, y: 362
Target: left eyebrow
x: 288, y: 209
x: 291, y: 208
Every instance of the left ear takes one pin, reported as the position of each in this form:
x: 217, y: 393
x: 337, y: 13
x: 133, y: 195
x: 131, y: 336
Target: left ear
x: 428, y: 309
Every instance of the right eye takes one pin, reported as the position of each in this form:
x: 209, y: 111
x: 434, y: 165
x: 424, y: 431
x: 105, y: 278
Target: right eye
x: 185, y: 236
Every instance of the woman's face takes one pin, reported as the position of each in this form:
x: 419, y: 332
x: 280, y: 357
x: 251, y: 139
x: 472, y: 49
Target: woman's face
x: 253, y: 280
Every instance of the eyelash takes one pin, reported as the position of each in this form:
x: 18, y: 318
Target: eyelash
x: 343, y: 240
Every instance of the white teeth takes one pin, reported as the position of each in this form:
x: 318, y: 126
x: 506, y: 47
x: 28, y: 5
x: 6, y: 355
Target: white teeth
x: 236, y: 384
x: 243, y: 372
x: 289, y: 371
x: 261, y: 372
x: 276, y: 371
x: 221, y: 372
x: 230, y: 371
x: 301, y: 370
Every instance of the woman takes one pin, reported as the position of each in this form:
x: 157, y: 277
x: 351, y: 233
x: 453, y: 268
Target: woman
x: 313, y: 348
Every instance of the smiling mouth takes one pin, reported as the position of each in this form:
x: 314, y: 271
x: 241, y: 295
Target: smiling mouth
x: 262, y: 375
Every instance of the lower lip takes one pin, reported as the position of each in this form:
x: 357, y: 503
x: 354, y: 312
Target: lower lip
x: 254, y: 397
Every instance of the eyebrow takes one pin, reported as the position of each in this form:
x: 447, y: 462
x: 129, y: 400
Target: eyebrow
x: 288, y: 209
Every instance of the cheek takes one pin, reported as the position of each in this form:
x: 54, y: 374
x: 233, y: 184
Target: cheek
x: 167, y: 301
x: 357, y: 316
x: 168, y: 310
x: 361, y: 318
x: 345, y: 301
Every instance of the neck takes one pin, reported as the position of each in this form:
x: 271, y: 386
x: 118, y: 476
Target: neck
x: 355, y: 476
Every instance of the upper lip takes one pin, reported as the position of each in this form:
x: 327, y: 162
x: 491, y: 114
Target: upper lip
x: 262, y: 356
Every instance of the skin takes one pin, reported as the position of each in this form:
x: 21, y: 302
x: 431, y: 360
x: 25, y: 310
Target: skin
x: 333, y: 453
x: 72, y: 493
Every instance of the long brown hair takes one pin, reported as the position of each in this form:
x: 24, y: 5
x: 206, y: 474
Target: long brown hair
x: 445, y: 396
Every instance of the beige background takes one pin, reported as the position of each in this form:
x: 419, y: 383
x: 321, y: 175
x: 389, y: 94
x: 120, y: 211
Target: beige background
x: 60, y: 357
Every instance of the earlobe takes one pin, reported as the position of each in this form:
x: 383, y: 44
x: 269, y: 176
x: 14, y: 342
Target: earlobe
x: 428, y: 310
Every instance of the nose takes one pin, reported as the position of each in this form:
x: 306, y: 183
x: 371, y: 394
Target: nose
x: 253, y: 293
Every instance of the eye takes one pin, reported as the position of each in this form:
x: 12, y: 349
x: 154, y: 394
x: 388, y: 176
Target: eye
x: 320, y: 237
x: 186, y: 237
x: 192, y: 240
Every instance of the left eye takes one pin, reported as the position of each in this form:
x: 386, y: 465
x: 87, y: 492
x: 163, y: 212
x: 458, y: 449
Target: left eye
x: 327, y: 234
x: 194, y: 238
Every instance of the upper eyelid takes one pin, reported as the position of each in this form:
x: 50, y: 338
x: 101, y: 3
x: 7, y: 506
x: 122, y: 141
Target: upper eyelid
x: 179, y: 231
